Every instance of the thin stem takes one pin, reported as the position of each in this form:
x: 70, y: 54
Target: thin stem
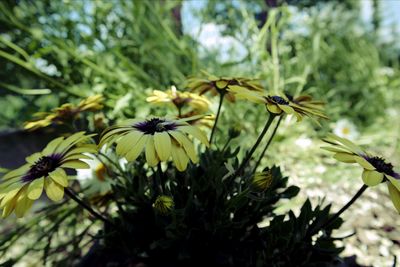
x: 161, y: 176
x: 221, y: 99
x: 226, y: 144
x: 72, y: 195
x: 345, y: 207
x: 268, y: 143
x: 260, y: 137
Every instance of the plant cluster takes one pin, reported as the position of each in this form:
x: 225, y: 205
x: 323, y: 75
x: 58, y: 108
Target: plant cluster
x: 162, y: 193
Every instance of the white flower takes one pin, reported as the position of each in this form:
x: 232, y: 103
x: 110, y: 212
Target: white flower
x: 346, y: 129
x: 303, y: 142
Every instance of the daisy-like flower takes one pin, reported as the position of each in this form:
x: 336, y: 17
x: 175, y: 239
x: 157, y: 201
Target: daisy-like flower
x: 376, y: 169
x: 278, y: 105
x: 160, y: 138
x: 163, y: 204
x: 220, y: 85
x: 262, y: 181
x: 180, y: 99
x: 65, y: 112
x: 43, y: 170
x: 95, y: 179
x: 346, y: 129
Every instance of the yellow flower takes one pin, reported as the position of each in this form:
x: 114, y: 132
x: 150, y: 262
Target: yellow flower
x: 160, y: 138
x: 376, y: 169
x: 65, y: 112
x: 300, y: 106
x: 262, y: 181
x: 217, y: 85
x: 163, y: 204
x: 180, y: 99
x: 43, y: 170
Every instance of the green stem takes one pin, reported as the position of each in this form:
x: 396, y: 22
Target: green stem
x: 260, y: 137
x: 345, y: 207
x: 161, y: 176
x: 268, y: 143
x: 80, y: 202
x: 226, y: 144
x: 221, y: 99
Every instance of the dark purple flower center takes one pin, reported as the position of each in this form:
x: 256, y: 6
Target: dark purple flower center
x: 381, y: 166
x: 155, y: 125
x: 279, y: 100
x: 42, y: 167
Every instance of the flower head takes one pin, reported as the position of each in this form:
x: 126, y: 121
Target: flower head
x: 160, y: 138
x: 163, y: 204
x: 221, y: 85
x: 285, y: 104
x: 262, y: 181
x: 43, y: 170
x: 65, y: 112
x: 180, y: 99
x: 346, y: 129
x: 376, y: 169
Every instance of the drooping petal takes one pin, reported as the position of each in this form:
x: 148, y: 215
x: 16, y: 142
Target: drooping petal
x: 187, y: 145
x: 274, y: 109
x: 137, y: 148
x: 395, y: 182
x: 364, y: 163
x: 197, y: 133
x: 179, y: 158
x: 75, y: 164
x: 162, y: 143
x: 22, y: 205
x: 127, y: 142
x: 54, y: 191
x: 344, y: 157
x: 394, y: 196
x: 35, y: 188
x: 151, y: 156
x: 287, y: 109
x: 59, y: 176
x: 372, y: 178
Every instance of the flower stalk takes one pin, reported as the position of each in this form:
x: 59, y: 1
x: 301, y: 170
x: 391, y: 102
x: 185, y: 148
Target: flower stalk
x: 267, y: 145
x: 221, y: 99
x: 80, y: 202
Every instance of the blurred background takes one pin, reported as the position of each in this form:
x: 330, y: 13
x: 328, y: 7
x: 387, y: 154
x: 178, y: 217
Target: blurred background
x: 344, y: 52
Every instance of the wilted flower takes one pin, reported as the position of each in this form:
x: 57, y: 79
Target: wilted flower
x: 346, y: 129
x: 376, y: 169
x: 262, y: 181
x: 160, y: 138
x: 180, y: 99
x: 64, y: 113
x: 44, y: 170
x: 217, y: 85
x: 163, y: 204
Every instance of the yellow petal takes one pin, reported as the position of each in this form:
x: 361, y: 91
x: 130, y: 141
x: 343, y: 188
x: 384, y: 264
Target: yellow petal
x: 372, y: 178
x: 17, y: 172
x: 195, y: 132
x: 22, y: 205
x: 187, y: 145
x: 9, y: 208
x: 35, y: 188
x: 52, y: 146
x: 162, y: 143
x: 54, y: 191
x: 395, y: 182
x: 394, y: 196
x: 179, y: 158
x: 150, y: 152
x: 274, y: 109
x: 221, y: 84
x: 334, y: 149
x: 344, y: 157
x: 364, y: 163
x: 75, y: 164
x: 127, y: 142
x: 287, y: 109
x: 59, y: 176
x: 347, y: 143
x: 33, y: 158
x: 9, y: 196
x: 137, y: 148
